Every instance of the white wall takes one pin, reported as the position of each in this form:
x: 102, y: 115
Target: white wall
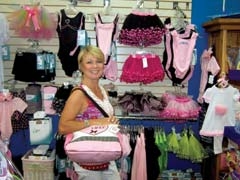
x: 123, y: 7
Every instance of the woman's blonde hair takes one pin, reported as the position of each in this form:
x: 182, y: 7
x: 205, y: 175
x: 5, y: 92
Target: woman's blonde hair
x: 91, y: 50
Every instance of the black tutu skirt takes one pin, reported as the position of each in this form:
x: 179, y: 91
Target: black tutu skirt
x: 141, y: 29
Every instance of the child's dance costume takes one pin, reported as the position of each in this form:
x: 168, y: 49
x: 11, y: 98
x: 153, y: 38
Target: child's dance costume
x: 106, y: 36
x: 146, y: 68
x: 141, y: 29
x: 67, y: 30
x: 179, y: 107
x: 178, y: 53
x: 33, y: 22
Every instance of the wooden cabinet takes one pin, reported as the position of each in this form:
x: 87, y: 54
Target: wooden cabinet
x: 224, y: 34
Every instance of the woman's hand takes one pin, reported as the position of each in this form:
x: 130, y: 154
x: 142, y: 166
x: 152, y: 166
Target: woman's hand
x: 104, y: 121
x: 113, y: 120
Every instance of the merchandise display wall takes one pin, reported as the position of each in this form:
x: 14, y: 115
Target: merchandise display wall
x: 123, y: 8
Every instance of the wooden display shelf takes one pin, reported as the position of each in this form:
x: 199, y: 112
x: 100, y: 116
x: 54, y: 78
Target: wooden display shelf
x: 224, y: 33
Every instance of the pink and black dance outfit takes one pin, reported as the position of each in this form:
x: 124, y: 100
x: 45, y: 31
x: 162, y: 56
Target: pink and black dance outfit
x: 142, y: 29
x: 106, y: 36
x: 178, y: 54
x: 67, y: 30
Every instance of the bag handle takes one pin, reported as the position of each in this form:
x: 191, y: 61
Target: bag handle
x: 94, y: 102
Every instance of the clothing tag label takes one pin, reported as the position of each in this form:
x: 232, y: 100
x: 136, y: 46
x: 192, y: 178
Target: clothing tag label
x: 82, y: 38
x: 40, y: 62
x: 48, y: 96
x: 31, y: 97
x: 194, y: 57
x: 5, y: 52
x: 40, y: 131
x: 210, y: 79
x: 145, y: 63
x: 52, y: 62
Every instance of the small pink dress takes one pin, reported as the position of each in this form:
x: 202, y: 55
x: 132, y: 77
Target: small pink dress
x: 220, y: 111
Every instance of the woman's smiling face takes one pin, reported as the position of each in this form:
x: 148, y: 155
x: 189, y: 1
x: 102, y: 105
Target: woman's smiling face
x: 92, y: 67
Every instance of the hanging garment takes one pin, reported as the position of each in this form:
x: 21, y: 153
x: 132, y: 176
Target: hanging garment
x: 152, y: 154
x: 67, y: 30
x: 48, y: 93
x: 141, y: 29
x: 19, y: 120
x: 139, y: 165
x: 34, y: 66
x: 7, y: 108
x: 183, y: 51
x: 144, y: 103
x: 33, y: 98
x: 106, y: 36
x: 220, y: 111
x: 4, y: 36
x: 33, y: 22
x: 142, y: 68
x: 125, y: 162
x: 210, y: 69
x: 179, y: 67
x: 179, y: 107
x: 61, y: 96
x: 161, y: 142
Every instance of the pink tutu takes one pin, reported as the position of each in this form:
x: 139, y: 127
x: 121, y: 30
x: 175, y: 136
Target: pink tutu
x: 181, y: 107
x: 166, y: 97
x: 145, y: 69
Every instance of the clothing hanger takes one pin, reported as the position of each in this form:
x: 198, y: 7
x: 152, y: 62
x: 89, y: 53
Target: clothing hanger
x: 107, y: 10
x: 180, y: 21
x: 139, y: 8
x: 33, y: 48
x: 140, y: 5
x: 70, y: 8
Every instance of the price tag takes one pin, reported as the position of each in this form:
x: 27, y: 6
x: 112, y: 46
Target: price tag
x: 210, y: 79
x: 145, y: 63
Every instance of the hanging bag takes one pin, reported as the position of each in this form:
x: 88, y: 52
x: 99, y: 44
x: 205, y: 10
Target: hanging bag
x: 94, y: 145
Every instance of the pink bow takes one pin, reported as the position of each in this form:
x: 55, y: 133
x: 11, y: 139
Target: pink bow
x: 32, y: 14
